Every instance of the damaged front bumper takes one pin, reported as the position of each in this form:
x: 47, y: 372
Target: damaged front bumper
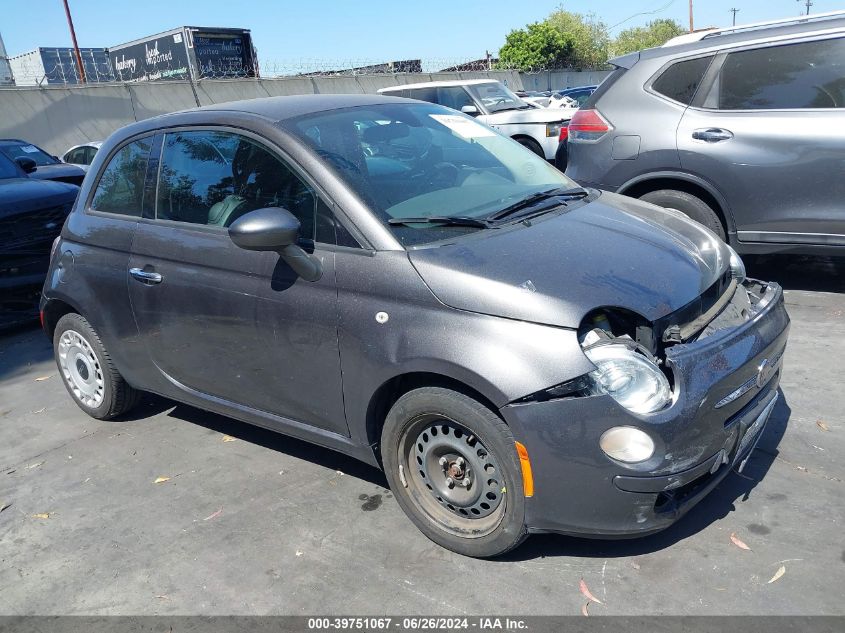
x: 726, y: 386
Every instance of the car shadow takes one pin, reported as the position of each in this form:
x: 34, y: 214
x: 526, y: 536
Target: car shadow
x: 279, y: 442
x: 718, y: 504
x: 800, y: 272
x: 22, y: 346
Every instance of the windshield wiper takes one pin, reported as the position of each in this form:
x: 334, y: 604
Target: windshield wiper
x: 560, y: 197
x: 442, y: 220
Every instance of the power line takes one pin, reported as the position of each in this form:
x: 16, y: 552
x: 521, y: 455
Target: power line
x: 663, y: 8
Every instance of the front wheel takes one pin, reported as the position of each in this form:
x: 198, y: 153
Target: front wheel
x: 453, y: 466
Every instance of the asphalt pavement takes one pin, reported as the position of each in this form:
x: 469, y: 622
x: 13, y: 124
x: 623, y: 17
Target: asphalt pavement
x: 244, y: 521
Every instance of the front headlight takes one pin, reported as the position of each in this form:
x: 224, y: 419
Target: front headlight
x: 553, y: 129
x: 737, y: 266
x: 629, y: 378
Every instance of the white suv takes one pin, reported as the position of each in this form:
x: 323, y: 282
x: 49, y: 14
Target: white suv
x: 538, y: 129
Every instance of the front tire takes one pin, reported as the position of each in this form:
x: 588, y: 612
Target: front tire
x: 87, y: 371
x: 453, y: 467
x: 691, y: 206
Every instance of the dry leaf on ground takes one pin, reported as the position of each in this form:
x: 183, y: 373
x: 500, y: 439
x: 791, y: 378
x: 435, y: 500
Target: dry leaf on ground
x: 31, y: 466
x: 161, y: 480
x: 739, y: 542
x: 3, y: 506
x: 43, y: 378
x: 41, y: 515
x: 822, y: 425
x: 214, y: 515
x: 41, y: 410
x: 780, y: 572
x: 229, y: 438
x: 584, y: 610
x: 587, y: 594
x: 298, y: 553
x: 163, y: 597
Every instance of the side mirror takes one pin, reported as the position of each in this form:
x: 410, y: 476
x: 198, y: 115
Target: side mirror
x: 26, y: 163
x: 470, y: 110
x: 275, y: 229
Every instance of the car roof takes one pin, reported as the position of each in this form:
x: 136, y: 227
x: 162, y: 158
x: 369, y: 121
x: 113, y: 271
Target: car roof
x: 94, y: 144
x: 281, y: 108
x: 440, y: 84
x: 716, y: 39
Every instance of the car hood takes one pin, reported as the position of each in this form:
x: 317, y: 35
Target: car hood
x: 613, y: 251
x: 58, y: 170
x: 21, y: 195
x: 533, y: 115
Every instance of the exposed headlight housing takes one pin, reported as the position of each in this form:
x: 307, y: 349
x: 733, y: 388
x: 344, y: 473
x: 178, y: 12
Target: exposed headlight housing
x: 553, y: 129
x: 737, y: 266
x: 627, y: 444
x: 630, y: 378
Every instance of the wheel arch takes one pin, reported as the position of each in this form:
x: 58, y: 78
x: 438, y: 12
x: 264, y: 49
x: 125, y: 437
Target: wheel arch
x: 687, y: 183
x: 52, y: 310
x: 386, y: 395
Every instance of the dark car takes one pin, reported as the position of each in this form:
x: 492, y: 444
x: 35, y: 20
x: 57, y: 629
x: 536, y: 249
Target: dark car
x: 32, y: 213
x: 742, y: 129
x: 393, y: 280
x: 39, y: 164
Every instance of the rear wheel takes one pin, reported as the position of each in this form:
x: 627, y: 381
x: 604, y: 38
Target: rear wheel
x: 88, y: 372
x: 688, y: 204
x: 454, y: 469
x: 531, y: 144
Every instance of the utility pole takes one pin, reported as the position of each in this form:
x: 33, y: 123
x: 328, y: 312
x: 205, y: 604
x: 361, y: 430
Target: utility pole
x: 734, y: 11
x: 691, y: 23
x: 75, y: 45
x: 808, y: 3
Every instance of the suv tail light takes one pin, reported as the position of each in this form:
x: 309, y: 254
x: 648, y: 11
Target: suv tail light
x: 588, y: 126
x: 564, y: 133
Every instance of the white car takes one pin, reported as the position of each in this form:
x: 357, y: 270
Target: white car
x: 538, y: 129
x: 82, y: 155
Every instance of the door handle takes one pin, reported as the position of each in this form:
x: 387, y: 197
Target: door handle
x: 145, y: 277
x: 712, y: 135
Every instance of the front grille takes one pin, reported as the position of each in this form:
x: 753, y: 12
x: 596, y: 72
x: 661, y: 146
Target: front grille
x: 32, y: 228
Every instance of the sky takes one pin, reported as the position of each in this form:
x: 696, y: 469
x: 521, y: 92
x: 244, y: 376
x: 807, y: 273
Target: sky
x: 346, y: 32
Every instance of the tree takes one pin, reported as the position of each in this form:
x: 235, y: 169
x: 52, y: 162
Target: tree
x: 538, y: 45
x: 655, y: 33
x: 590, y: 39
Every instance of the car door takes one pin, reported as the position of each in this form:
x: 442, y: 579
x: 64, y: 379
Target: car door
x: 770, y: 135
x: 222, y: 322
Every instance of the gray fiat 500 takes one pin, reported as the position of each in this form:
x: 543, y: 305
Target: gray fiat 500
x: 394, y: 280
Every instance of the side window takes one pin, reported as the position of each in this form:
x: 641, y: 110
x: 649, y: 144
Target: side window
x: 213, y: 178
x: 88, y: 156
x: 806, y: 75
x: 423, y: 94
x: 454, y: 97
x: 73, y: 156
x: 681, y: 80
x: 121, y: 185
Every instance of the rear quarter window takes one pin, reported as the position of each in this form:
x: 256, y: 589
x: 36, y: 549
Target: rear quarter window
x: 681, y: 80
x: 121, y: 185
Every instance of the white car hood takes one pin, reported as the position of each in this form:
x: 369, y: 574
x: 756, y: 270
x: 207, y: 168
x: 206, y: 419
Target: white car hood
x: 533, y: 115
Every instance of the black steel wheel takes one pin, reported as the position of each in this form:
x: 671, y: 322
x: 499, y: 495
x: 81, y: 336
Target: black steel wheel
x: 453, y: 467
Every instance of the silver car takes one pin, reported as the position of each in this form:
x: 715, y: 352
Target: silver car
x: 742, y: 129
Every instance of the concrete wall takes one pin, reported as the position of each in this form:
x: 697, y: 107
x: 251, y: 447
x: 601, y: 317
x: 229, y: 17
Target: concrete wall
x: 561, y: 79
x: 58, y: 117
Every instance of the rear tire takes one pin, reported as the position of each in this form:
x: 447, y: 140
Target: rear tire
x: 87, y: 371
x: 688, y: 204
x: 531, y: 144
x: 460, y: 480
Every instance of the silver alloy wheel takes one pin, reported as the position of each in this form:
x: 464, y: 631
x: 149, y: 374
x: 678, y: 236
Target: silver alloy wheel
x: 81, y: 369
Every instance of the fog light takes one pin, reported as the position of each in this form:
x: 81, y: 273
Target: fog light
x: 627, y: 444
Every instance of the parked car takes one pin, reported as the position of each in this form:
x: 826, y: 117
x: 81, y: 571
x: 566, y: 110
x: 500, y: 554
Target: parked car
x: 32, y: 213
x: 39, y: 164
x: 82, y: 155
x: 578, y: 95
x: 502, y: 332
x: 493, y: 103
x: 742, y: 129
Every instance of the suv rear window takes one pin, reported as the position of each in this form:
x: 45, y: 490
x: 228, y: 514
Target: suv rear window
x: 604, y: 86
x: 681, y: 80
x: 805, y: 75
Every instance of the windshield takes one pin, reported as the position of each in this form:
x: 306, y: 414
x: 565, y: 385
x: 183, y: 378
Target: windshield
x: 7, y: 168
x: 422, y: 160
x: 14, y: 149
x: 495, y: 97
